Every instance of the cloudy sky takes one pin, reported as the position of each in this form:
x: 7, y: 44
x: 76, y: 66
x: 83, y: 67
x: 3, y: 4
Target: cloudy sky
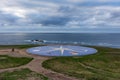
x: 60, y: 16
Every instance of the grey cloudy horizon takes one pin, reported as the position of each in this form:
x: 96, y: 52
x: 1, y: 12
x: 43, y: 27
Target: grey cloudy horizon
x: 60, y: 16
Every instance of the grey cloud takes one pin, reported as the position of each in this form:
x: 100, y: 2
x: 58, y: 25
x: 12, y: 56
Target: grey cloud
x: 115, y: 15
x: 66, y: 9
x: 51, y: 13
x: 56, y: 21
x: 8, y: 19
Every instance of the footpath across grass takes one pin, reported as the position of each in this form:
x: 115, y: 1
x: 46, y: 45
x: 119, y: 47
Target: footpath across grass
x: 8, y: 62
x: 11, y: 62
x: 105, y: 65
x: 22, y: 74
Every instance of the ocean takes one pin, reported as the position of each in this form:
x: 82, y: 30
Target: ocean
x: 96, y: 39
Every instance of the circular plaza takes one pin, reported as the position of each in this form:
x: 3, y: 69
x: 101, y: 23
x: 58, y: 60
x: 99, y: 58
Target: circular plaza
x: 61, y: 50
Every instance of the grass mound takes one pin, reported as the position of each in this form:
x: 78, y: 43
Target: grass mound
x: 105, y: 65
x: 22, y: 74
x: 7, y: 61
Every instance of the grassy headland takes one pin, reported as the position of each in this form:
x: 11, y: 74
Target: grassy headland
x: 21, y: 74
x: 105, y: 65
x: 18, y: 46
x: 7, y: 61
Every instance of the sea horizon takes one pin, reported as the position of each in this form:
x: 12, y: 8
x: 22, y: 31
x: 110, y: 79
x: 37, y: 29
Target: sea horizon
x: 93, y: 39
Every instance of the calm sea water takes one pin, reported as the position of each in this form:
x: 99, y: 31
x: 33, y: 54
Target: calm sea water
x: 105, y: 39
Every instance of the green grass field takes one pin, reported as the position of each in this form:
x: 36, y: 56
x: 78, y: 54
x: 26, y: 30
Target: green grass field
x: 105, y: 65
x: 18, y: 46
x: 7, y: 61
x: 22, y: 74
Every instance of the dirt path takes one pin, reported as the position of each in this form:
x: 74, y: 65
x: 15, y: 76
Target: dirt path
x: 36, y: 65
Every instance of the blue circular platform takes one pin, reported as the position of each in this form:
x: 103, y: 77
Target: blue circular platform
x: 61, y: 50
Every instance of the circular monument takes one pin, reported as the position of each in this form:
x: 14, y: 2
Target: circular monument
x: 61, y: 50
